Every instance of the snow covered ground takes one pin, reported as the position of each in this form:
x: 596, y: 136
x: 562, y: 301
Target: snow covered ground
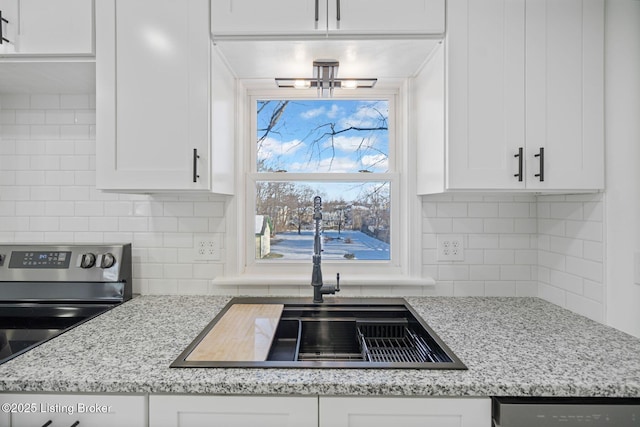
x: 294, y: 246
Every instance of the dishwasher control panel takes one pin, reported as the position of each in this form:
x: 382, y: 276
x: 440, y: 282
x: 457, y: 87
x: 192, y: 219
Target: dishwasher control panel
x: 566, y: 412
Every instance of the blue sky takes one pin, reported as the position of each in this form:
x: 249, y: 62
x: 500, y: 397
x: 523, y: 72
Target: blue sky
x: 300, y: 142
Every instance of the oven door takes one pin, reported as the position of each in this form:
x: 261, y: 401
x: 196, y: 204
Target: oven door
x: 26, y: 325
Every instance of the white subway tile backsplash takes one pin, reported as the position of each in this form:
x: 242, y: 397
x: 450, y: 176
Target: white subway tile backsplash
x: 74, y: 102
x: 499, y: 225
x: 515, y: 244
x: 11, y: 101
x: 29, y: 117
x: 59, y: 117
x: 513, y: 210
x: 452, y: 210
x: 44, y: 101
x: 570, y: 252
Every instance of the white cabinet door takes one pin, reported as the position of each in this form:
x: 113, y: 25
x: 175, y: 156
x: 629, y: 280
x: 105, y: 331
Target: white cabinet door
x: 316, y: 17
x: 565, y: 93
x: 485, y: 81
x: 405, y: 412
x: 516, y: 83
x: 232, y: 411
x: 274, y: 17
x: 153, y: 88
x: 8, y: 25
x: 48, y: 27
x: 28, y: 410
x: 386, y: 17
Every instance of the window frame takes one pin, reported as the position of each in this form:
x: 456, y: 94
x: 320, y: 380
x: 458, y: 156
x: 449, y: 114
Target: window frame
x: 405, y: 265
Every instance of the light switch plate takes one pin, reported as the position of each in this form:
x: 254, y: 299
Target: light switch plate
x: 636, y: 268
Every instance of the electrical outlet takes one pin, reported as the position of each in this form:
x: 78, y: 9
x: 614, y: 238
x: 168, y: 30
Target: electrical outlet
x: 207, y: 247
x: 450, y: 247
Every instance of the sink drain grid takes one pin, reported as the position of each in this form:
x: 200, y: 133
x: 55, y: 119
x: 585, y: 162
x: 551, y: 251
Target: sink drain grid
x: 396, y: 343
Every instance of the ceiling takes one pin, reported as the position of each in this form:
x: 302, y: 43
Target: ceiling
x: 380, y: 59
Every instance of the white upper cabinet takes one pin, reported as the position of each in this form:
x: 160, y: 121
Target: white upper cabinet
x: 521, y: 76
x: 47, y: 27
x: 486, y: 104
x: 154, y: 84
x: 565, y: 93
x: 336, y: 18
x: 386, y: 16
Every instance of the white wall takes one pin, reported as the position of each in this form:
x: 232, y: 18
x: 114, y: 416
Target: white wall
x: 622, y: 109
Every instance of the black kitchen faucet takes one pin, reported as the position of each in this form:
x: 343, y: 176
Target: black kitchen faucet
x: 319, y: 288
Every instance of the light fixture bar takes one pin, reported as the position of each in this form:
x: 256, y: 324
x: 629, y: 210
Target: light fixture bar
x: 325, y: 80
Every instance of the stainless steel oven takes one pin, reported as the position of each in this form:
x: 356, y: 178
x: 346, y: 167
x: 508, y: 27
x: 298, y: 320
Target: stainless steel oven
x: 48, y: 289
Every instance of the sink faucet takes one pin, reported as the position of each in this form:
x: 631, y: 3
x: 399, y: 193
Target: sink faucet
x: 319, y: 288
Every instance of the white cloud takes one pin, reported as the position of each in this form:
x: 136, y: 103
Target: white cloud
x: 378, y: 162
x: 272, y: 148
x: 333, y: 113
x: 310, y: 114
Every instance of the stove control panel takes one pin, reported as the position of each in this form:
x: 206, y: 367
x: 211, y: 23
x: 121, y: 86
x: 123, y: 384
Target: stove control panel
x: 81, y: 262
x: 40, y: 259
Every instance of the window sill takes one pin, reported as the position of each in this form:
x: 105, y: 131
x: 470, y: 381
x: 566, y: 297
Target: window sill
x: 293, y: 280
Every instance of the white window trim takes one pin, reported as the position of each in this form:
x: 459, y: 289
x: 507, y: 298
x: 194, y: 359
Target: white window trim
x: 406, y: 259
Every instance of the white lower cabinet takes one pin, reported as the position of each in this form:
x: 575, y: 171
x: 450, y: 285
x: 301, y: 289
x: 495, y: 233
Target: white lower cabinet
x: 4, y: 417
x: 232, y: 411
x: 58, y: 410
x: 404, y: 412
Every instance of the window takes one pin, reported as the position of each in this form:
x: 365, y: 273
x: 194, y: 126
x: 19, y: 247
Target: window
x: 342, y: 150
x: 354, y: 154
x: 336, y: 149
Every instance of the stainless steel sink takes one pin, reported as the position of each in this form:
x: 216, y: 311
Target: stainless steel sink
x: 342, y: 333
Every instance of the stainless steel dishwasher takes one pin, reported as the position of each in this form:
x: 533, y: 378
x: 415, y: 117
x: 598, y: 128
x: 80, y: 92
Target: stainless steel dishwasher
x: 566, y: 412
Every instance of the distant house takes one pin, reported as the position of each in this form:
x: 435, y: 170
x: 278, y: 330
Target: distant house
x: 263, y: 236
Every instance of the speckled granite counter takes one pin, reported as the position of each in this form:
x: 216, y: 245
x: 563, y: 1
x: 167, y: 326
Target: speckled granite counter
x: 512, y: 346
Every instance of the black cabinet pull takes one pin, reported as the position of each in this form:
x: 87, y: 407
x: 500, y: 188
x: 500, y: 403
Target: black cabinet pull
x: 48, y: 423
x: 195, y: 165
x: 317, y: 11
x: 2, y: 37
x: 77, y: 423
x: 541, y: 158
x: 520, y: 164
x: 338, y: 10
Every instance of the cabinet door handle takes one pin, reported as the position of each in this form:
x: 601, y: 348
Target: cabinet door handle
x: 195, y: 165
x: 338, y: 10
x: 317, y: 11
x: 76, y: 424
x: 520, y: 164
x: 48, y: 423
x: 541, y: 158
x: 2, y: 38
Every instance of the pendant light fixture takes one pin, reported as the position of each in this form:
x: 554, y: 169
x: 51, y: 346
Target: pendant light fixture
x: 325, y: 80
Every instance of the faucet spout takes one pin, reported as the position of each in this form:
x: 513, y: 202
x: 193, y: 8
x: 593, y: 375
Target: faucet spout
x: 319, y: 289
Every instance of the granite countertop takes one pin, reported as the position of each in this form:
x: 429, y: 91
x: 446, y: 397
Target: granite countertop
x: 512, y: 346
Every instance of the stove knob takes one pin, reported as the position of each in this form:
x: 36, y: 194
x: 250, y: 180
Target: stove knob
x: 88, y: 260
x: 108, y: 260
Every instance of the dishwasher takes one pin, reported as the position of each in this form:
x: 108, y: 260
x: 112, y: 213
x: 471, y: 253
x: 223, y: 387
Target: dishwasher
x: 565, y: 412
